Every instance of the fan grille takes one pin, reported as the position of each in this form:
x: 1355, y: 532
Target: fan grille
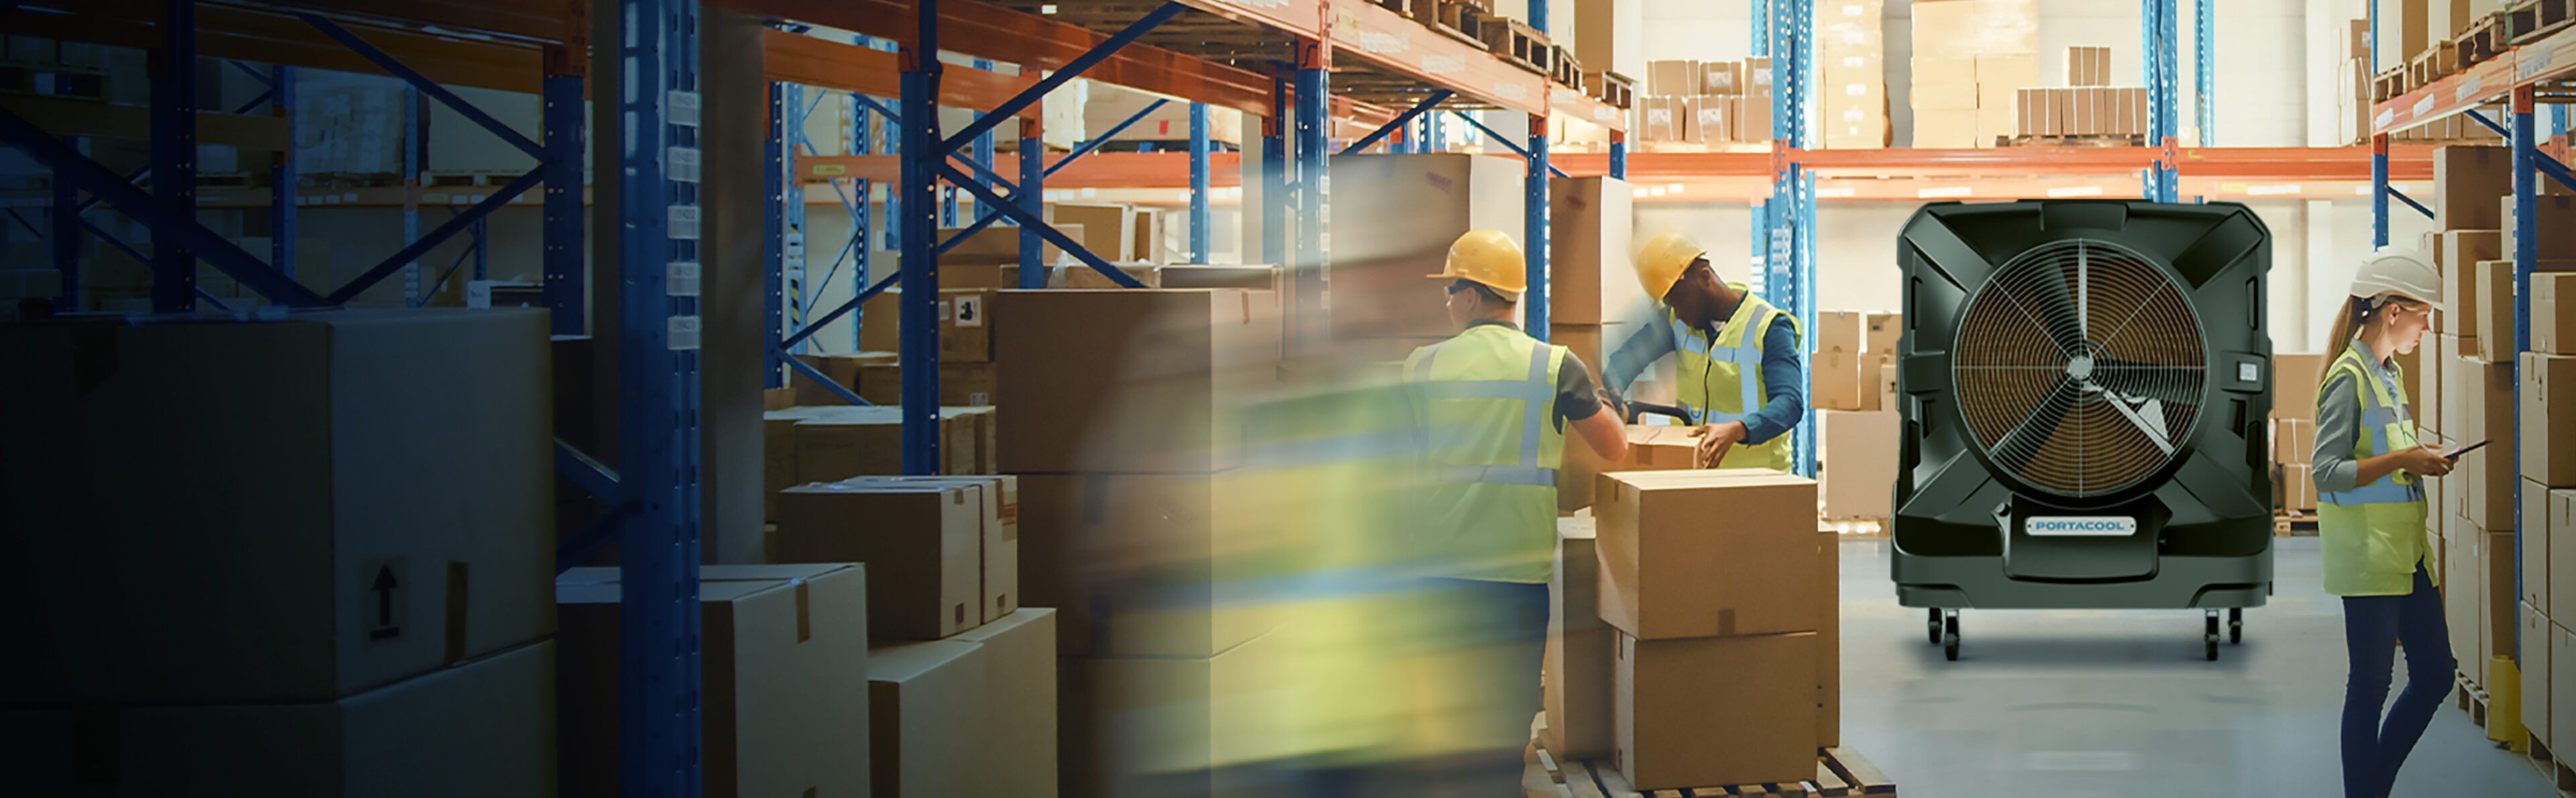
x: 2080, y: 367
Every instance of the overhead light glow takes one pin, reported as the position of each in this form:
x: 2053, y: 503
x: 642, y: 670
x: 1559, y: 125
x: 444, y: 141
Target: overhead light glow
x: 1655, y: 192
x: 2271, y: 191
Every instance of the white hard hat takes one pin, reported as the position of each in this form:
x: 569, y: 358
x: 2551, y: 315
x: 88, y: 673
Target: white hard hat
x: 2389, y: 270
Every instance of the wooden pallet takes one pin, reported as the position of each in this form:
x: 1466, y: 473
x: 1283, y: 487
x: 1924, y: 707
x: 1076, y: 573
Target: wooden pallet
x: 2471, y: 698
x: 1840, y: 773
x: 1422, y: 10
x: 231, y: 179
x: 53, y: 81
x: 2532, y: 19
x: 1564, y: 69
x: 1618, y: 90
x: 2090, y: 140
x: 2294, y: 524
x: 1462, y: 21
x: 2389, y: 85
x: 2485, y: 39
x: 467, y: 179
x: 1519, y: 44
x: 2437, y: 62
x: 2554, y: 771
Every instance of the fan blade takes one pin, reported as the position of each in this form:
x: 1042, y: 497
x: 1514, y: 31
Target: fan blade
x: 2152, y: 428
x: 2016, y: 448
x: 2177, y: 384
x: 2058, y: 309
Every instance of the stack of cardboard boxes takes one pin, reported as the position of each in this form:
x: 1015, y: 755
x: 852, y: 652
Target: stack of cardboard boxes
x: 956, y: 658
x: 2088, y: 106
x: 1970, y: 57
x: 1594, y: 302
x: 1686, y: 597
x: 1852, y: 367
x: 1851, y: 70
x: 2294, y: 442
x: 1393, y: 219
x: 1706, y: 102
x: 1127, y: 460
x: 2548, y: 494
x: 300, y: 625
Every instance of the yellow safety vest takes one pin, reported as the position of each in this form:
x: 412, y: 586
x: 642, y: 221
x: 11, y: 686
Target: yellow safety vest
x: 2373, y: 535
x: 1721, y: 380
x: 1487, y: 399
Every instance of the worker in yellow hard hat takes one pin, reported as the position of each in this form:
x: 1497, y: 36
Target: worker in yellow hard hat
x: 1495, y: 405
x: 1737, y: 360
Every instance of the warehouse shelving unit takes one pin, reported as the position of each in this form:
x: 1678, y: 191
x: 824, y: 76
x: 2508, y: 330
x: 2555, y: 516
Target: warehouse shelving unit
x: 2520, y: 79
x: 518, y: 45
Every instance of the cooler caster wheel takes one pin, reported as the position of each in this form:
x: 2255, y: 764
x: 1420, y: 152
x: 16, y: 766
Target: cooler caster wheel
x: 2209, y: 634
x: 1934, y: 625
x: 1950, y: 635
x: 2236, y: 625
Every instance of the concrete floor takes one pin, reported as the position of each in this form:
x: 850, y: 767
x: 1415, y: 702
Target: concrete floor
x: 2082, y: 703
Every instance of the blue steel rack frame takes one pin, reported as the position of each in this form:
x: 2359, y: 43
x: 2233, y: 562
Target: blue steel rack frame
x: 654, y: 499
x: 1785, y: 226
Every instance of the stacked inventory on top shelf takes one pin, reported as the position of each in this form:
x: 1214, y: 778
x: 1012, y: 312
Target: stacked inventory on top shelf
x: 1970, y: 57
x: 1851, y: 69
x: 1706, y: 102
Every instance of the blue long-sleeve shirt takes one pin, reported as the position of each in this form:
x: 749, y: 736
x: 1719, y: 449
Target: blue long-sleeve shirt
x: 1784, y: 383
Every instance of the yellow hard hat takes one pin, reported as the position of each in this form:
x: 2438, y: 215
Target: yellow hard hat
x: 1660, y: 263
x: 1489, y: 258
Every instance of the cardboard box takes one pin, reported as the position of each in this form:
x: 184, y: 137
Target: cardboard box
x: 2463, y: 592
x: 2553, y: 313
x: 2535, y: 669
x: 995, y: 245
x: 1945, y: 128
x: 926, y: 719
x: 1679, y: 77
x: 2456, y: 254
x: 1753, y: 117
x: 2495, y: 301
x: 1140, y: 564
x: 1656, y: 118
x: 2467, y: 179
x: 2558, y: 515
x: 1393, y: 219
x: 2294, y: 384
x: 2532, y: 562
x: 1840, y: 331
x: 2088, y: 66
x: 1019, y: 702
x: 484, y: 727
x: 1860, y: 477
x: 1163, y: 391
x: 1108, y: 230
x: 921, y: 539
x: 829, y: 444
x: 1829, y: 640
x: 843, y: 369
x: 2548, y: 396
x: 997, y: 534
x: 1881, y: 332
x: 1652, y: 448
x: 2495, y: 612
x: 2035, y: 111
x: 1590, y: 280
x: 246, y: 503
x: 960, y: 385
x: 2562, y: 678
x: 1666, y: 702
x: 1835, y: 381
x: 2298, y: 488
x: 1721, y: 77
x: 2294, y: 441
x: 1145, y: 725
x: 2423, y: 380
x: 1668, y: 573
x: 1577, y: 668
x: 785, y: 700
x: 2480, y: 405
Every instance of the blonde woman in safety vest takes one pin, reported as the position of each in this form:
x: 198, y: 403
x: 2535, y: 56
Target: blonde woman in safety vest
x: 1736, y: 357
x: 2370, y: 517
x: 1494, y: 406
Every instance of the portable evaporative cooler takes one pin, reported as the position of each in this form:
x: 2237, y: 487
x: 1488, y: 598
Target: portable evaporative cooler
x: 2087, y: 386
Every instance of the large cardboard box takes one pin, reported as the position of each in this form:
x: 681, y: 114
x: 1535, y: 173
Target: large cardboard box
x: 991, y: 246
x: 785, y: 700
x: 1162, y: 389
x: 2562, y: 678
x: 1393, y: 219
x: 836, y: 443
x: 997, y: 534
x: 1881, y: 332
x: 2535, y: 666
x: 1590, y: 280
x: 2088, y: 66
x: 2467, y: 179
x: 2424, y: 381
x: 1580, y: 650
x: 1018, y: 705
x: 1678, y: 727
x: 921, y: 540
x: 2552, y: 215
x: 960, y: 385
x: 1682, y: 77
x: 2553, y: 313
x: 1837, y: 381
x: 1108, y: 229
x: 926, y: 719
x: 2298, y: 488
x: 1860, y: 477
x: 1669, y: 572
x: 279, y: 512
x: 2495, y: 613
x: 2495, y: 297
x: 2536, y: 554
x: 2548, y: 396
x: 2557, y: 513
x: 2294, y: 441
x: 1840, y: 331
x: 842, y: 369
x: 1829, y: 640
x: 1148, y: 725
x: 2463, y: 592
x: 1140, y: 564
x: 2456, y: 254
x: 484, y: 727
x: 2481, y: 405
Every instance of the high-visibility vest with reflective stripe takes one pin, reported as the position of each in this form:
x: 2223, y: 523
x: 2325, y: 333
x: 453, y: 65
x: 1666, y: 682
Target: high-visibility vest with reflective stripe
x: 1487, y: 399
x: 1721, y: 380
x: 2373, y: 535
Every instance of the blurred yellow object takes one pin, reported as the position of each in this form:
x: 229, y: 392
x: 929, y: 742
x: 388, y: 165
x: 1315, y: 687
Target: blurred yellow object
x: 2504, y: 704
x: 1661, y: 261
x: 1490, y: 258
